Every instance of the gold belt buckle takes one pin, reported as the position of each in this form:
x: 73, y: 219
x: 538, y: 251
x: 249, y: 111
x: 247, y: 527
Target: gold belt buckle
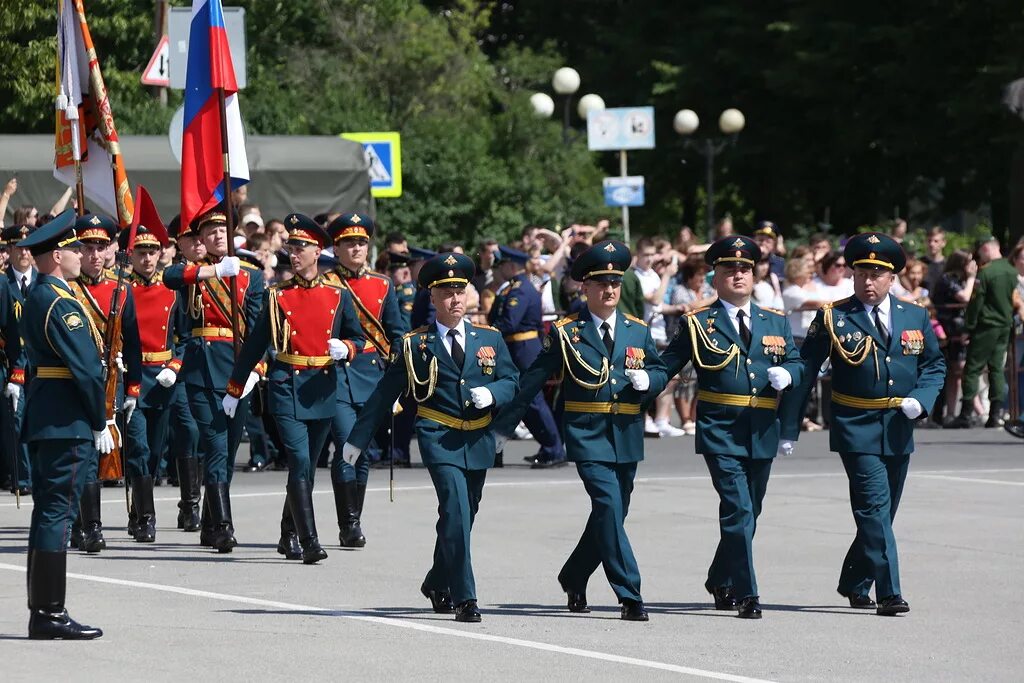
x: 753, y: 401
x: 894, y: 402
x: 615, y: 409
x: 310, y: 361
x: 465, y: 425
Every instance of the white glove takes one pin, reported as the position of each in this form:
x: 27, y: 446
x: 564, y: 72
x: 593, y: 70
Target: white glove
x: 349, y: 453
x: 911, y: 407
x: 337, y: 349
x: 482, y: 397
x: 229, y: 404
x: 119, y: 361
x: 130, y: 403
x: 640, y: 380
x: 229, y: 266
x: 104, y: 441
x: 499, y: 442
x: 166, y: 377
x: 13, y: 392
x: 786, y: 447
x: 779, y: 378
x: 250, y: 383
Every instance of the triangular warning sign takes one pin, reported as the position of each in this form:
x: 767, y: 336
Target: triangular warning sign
x: 158, y: 70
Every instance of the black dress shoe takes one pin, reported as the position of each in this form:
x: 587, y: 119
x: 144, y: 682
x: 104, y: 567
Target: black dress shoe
x: 891, y: 606
x: 633, y: 610
x: 467, y: 612
x: 441, y: 601
x: 861, y: 602
x: 24, y: 491
x: 724, y: 599
x: 46, y: 625
x: 577, y: 602
x: 289, y: 546
x: 750, y: 608
x: 547, y: 464
x: 532, y: 459
x: 1014, y: 429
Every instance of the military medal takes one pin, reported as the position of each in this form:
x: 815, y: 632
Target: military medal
x: 858, y: 335
x: 840, y: 323
x: 634, y: 358
x: 912, y: 341
x: 485, y: 359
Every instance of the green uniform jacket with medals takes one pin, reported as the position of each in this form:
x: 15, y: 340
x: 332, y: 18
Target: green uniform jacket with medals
x: 728, y: 376
x: 862, y: 370
x: 595, y: 388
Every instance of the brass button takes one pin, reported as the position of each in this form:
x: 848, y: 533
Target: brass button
x: 296, y: 372
x: 888, y: 359
x: 615, y: 396
x: 891, y: 383
x: 373, y: 361
x: 753, y: 391
x: 752, y: 375
x: 467, y: 404
x: 614, y: 382
x: 749, y: 361
x: 462, y: 381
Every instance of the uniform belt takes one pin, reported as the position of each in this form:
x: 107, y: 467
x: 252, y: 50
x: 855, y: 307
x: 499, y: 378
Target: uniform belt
x: 224, y: 332
x: 157, y: 356
x: 599, y: 407
x: 368, y: 348
x: 304, y: 361
x: 522, y: 336
x: 453, y: 422
x: 739, y: 400
x: 47, y: 372
x: 866, y: 403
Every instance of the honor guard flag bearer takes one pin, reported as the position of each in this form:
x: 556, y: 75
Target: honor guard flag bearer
x: 210, y: 93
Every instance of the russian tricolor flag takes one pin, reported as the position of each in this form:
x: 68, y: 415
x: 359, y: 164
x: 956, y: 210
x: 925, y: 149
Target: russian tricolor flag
x: 202, y: 160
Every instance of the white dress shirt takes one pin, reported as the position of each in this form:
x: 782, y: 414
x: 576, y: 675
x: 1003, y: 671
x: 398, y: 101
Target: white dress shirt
x: 731, y: 310
x: 883, y: 314
x: 610, y: 321
x: 460, y: 334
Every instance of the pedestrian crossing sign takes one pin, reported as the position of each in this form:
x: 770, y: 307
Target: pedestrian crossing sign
x: 384, y: 158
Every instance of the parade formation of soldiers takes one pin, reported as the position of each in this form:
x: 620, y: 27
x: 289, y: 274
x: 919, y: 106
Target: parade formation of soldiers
x: 359, y: 360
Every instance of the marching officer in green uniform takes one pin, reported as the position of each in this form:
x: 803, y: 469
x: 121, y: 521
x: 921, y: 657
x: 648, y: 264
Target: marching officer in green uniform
x: 457, y: 373
x: 610, y: 372
x: 310, y: 324
x: 65, y: 421
x: 744, y: 356
x: 886, y: 372
x: 18, y: 284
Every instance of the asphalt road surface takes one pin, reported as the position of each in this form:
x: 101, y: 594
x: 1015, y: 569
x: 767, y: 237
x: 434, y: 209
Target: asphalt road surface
x: 174, y: 611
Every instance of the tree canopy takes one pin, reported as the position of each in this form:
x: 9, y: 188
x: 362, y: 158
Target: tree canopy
x: 855, y: 111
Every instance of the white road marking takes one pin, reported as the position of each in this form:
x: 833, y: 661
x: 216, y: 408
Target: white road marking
x: 426, y: 628
x: 973, y: 480
x: 119, y: 498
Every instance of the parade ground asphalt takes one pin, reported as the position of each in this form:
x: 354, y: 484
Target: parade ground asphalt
x: 174, y: 611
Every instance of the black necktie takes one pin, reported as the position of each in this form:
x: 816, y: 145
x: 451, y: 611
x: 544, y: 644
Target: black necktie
x: 458, y: 355
x: 24, y: 286
x: 882, y: 331
x: 606, y: 337
x: 744, y: 330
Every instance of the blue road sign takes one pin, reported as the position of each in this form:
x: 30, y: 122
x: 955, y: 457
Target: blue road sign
x: 624, y: 190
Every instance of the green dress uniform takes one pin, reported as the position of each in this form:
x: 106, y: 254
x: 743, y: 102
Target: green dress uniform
x: 64, y: 410
x: 874, y: 373
x: 455, y: 443
x: 602, y: 426
x: 298, y: 323
x: 737, y: 427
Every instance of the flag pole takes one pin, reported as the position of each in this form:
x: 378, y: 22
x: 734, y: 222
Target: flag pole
x: 76, y: 153
x: 233, y: 280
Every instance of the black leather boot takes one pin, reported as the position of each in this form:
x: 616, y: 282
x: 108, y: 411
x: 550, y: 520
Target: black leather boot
x: 289, y: 543
x: 92, y: 524
x: 188, y: 485
x: 351, y: 535
x: 77, y: 535
x: 222, y: 536
x: 206, y: 522
x: 144, y: 508
x: 47, y: 581
x: 995, y: 415
x: 300, y: 500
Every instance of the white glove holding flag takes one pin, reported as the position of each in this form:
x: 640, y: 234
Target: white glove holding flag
x: 119, y: 362
x: 337, y: 349
x: 640, y: 380
x: 779, y: 378
x: 229, y: 266
x: 130, y: 403
x: 911, y: 407
x: 482, y: 397
x: 13, y: 392
x: 104, y: 441
x: 786, y: 447
x: 250, y: 383
x: 350, y: 453
x: 166, y: 377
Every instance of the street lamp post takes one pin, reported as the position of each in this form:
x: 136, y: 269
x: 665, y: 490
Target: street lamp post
x: 730, y: 122
x: 566, y: 83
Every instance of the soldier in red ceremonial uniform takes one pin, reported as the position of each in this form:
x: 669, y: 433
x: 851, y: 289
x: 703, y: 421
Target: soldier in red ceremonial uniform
x: 162, y: 331
x: 381, y: 318
x: 94, y: 288
x: 209, y: 358
x: 309, y: 324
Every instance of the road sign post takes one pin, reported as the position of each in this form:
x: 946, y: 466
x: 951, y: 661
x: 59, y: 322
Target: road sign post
x: 617, y: 130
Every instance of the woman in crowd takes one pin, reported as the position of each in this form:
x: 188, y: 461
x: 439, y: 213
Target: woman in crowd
x: 951, y: 296
x: 691, y: 293
x: 767, y: 287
